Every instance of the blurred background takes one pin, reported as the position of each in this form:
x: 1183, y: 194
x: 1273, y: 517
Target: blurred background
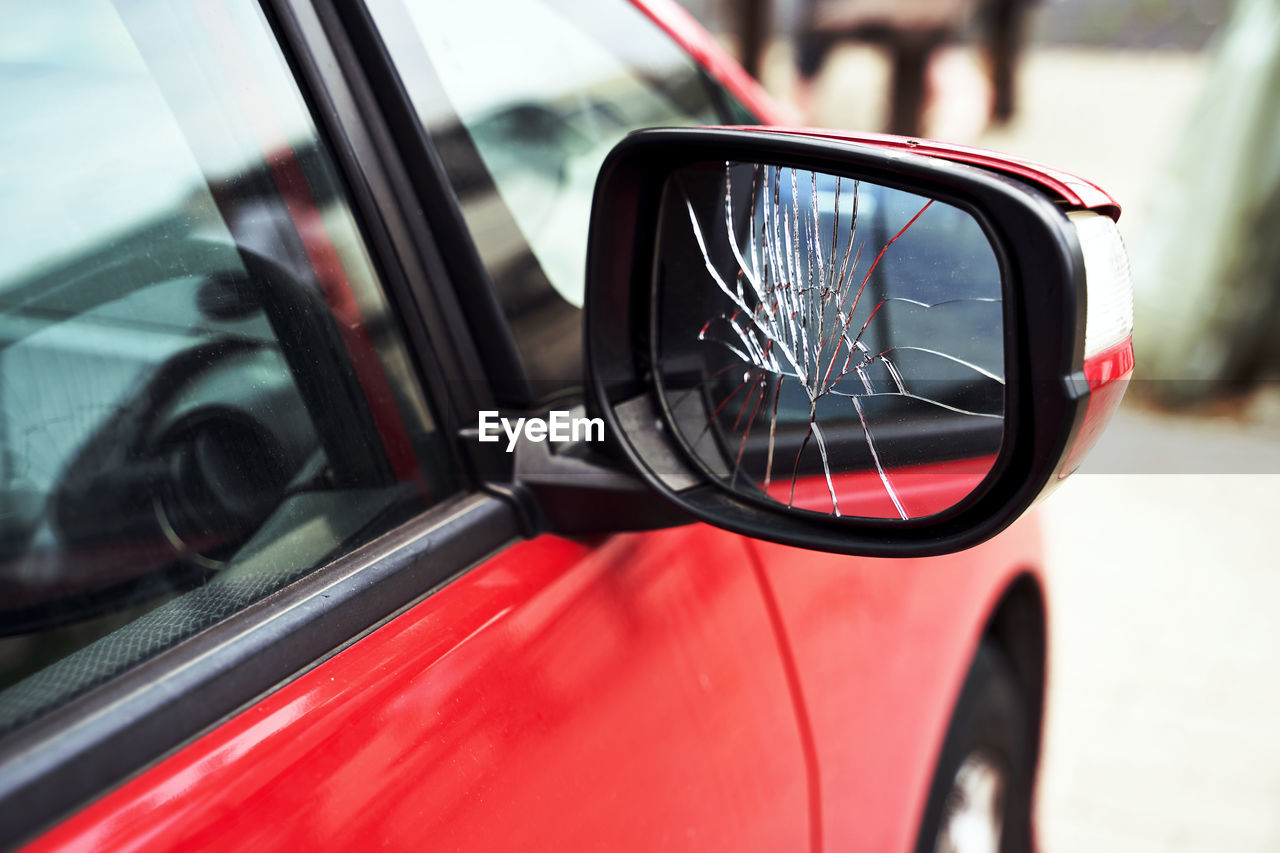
x: 1164, y: 574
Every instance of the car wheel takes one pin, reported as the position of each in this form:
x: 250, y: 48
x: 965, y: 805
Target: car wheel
x: 980, y: 798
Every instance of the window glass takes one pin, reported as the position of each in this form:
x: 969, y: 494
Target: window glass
x: 203, y: 395
x: 524, y: 98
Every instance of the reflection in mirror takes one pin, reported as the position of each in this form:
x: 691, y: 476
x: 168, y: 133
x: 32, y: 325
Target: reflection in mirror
x: 826, y: 343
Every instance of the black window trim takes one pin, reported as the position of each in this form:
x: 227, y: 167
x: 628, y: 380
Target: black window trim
x: 332, y: 72
x: 423, y: 183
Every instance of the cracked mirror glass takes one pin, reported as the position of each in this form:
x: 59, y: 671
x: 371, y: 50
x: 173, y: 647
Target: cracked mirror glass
x: 828, y: 344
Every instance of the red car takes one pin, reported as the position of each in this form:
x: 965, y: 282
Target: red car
x: 395, y: 453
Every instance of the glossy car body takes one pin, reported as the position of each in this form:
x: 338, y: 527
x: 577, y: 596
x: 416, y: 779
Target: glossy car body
x: 449, y: 685
x: 675, y: 690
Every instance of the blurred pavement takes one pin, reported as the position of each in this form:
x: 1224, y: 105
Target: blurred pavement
x: 1164, y: 691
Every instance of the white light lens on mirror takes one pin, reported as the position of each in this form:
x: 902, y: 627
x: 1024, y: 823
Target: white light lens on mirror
x: 1109, y: 319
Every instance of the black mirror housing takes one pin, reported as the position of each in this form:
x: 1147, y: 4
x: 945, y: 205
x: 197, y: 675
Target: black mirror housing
x: 634, y: 289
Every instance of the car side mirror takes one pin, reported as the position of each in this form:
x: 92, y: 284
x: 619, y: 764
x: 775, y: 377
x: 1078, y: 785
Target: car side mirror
x: 845, y: 346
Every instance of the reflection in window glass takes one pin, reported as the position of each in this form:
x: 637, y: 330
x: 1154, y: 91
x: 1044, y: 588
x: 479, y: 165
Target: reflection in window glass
x: 523, y: 138
x: 202, y: 395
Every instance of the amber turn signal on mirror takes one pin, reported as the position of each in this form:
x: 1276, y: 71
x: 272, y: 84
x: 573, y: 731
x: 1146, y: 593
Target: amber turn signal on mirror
x: 846, y: 346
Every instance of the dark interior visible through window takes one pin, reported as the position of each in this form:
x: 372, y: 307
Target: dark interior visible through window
x: 203, y: 394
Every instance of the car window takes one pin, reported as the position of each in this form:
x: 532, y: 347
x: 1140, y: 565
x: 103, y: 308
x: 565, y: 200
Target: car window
x: 523, y: 99
x: 203, y: 394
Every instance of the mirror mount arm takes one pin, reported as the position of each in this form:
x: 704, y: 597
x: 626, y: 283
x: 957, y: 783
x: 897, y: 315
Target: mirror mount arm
x: 574, y: 489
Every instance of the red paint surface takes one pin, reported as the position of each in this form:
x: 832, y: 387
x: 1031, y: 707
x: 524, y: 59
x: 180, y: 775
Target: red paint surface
x: 628, y: 696
x: 1111, y: 365
x: 1108, y: 375
x: 881, y: 648
x: 922, y: 489
x: 1074, y: 190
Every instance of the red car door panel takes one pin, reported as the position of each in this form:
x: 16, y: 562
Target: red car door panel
x: 881, y: 648
x: 626, y: 695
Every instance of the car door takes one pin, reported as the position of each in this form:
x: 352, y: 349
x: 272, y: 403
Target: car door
x: 255, y: 595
